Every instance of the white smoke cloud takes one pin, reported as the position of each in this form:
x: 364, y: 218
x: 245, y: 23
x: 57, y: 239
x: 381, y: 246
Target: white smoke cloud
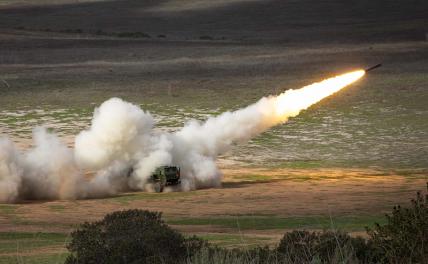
x: 46, y: 171
x: 10, y: 171
x: 157, y: 154
x: 121, y: 137
x: 119, y: 129
x: 49, y: 169
x: 107, y: 182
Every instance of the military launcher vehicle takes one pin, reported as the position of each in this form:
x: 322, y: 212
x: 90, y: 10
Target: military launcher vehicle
x: 163, y: 176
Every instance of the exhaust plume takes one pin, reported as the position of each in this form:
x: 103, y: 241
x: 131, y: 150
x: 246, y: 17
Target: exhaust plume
x: 121, y: 137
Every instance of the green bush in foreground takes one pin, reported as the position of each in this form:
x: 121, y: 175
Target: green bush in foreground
x: 404, y: 238
x: 325, y: 247
x: 137, y: 236
x: 216, y: 255
x: 132, y: 236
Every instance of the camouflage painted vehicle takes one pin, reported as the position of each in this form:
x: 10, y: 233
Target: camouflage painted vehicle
x: 165, y: 176
x: 162, y: 176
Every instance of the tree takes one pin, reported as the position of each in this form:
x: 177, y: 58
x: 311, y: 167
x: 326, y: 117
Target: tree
x: 404, y: 238
x: 133, y: 236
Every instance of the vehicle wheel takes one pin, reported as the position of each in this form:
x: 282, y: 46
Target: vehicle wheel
x: 158, y: 187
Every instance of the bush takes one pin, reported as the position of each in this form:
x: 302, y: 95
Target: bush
x: 298, y: 245
x: 129, y: 237
x: 261, y: 255
x: 195, y: 244
x: 216, y: 255
x: 404, y: 238
x: 325, y: 247
x: 137, y: 236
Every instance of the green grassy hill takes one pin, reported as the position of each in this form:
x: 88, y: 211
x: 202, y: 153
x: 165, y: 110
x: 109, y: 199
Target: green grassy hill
x: 279, y: 20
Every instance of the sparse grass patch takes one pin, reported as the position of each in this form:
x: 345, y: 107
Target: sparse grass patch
x: 26, y: 235
x: 7, y: 209
x: 129, y: 197
x: 253, y: 177
x: 19, y: 244
x: 301, y: 164
x: 235, y: 240
x: 416, y: 173
x: 57, y: 258
x: 57, y: 208
x: 268, y: 138
x: 348, y: 223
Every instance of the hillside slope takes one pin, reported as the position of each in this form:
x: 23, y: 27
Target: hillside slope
x: 279, y: 20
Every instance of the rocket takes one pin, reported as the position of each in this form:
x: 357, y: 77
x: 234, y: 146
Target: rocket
x: 373, y: 67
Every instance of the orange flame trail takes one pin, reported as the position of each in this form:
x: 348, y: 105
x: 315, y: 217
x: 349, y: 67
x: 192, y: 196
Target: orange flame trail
x: 291, y: 102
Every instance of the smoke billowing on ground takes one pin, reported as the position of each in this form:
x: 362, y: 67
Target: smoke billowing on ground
x: 121, y: 136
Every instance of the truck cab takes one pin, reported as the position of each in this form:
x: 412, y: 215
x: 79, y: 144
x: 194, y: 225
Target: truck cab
x: 165, y: 176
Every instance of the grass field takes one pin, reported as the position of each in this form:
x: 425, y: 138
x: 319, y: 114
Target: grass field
x: 19, y: 247
x: 342, y: 163
x: 377, y: 122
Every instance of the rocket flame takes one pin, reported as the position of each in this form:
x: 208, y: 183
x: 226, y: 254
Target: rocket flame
x: 291, y: 102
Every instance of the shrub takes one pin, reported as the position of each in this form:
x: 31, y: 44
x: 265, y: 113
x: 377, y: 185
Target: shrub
x: 298, y: 245
x: 404, y: 238
x: 216, y: 255
x: 325, y: 247
x: 128, y: 237
x: 262, y: 255
x: 195, y: 244
x: 137, y: 236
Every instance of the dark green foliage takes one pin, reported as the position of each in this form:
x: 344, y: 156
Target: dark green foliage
x: 261, y: 255
x: 137, y: 236
x: 132, y: 236
x: 217, y: 255
x: 404, y: 238
x: 194, y: 244
x: 298, y: 245
x: 363, y: 250
x: 326, y: 246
